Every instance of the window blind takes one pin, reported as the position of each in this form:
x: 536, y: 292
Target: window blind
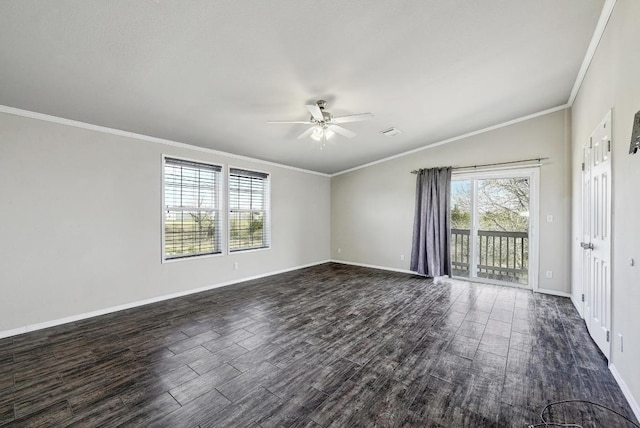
x: 191, y: 208
x: 248, y: 210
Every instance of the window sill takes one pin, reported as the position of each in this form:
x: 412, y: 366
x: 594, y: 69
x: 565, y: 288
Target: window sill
x: 186, y: 258
x: 249, y: 250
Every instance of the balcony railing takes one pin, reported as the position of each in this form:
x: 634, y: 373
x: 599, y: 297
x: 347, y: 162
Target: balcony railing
x: 500, y: 255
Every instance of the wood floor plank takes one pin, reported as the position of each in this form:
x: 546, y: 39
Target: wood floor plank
x: 154, y: 385
x: 471, y: 329
x: 342, y: 408
x: 463, y: 346
x: 6, y: 413
x: 247, y: 411
x: 206, y: 407
x: 389, y: 407
x: 193, y: 341
x: 240, y: 386
x: 56, y: 414
x: 145, y: 413
x: 494, y: 344
x: 286, y: 414
x: 475, y: 315
x: 203, y: 384
x: 99, y: 413
x: 330, y: 345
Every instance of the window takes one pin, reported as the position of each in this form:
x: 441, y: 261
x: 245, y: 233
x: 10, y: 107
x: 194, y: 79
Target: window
x: 248, y: 210
x: 191, y: 209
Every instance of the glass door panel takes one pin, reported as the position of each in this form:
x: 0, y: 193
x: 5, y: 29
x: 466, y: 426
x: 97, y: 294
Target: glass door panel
x: 490, y: 227
x: 503, y: 229
x: 461, y: 227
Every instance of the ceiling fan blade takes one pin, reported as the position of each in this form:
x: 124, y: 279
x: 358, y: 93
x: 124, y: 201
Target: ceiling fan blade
x: 315, y: 112
x: 353, y: 118
x: 306, y: 133
x: 306, y: 122
x: 340, y: 130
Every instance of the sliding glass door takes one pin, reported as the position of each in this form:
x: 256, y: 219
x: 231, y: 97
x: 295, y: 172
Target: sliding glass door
x: 492, y: 226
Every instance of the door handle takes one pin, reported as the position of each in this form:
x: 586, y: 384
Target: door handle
x: 586, y: 245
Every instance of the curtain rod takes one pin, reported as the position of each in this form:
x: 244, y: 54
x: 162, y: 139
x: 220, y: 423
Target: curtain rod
x: 415, y: 171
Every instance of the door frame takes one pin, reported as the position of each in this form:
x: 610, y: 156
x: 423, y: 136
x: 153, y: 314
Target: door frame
x: 585, y: 218
x: 587, y: 283
x: 533, y: 174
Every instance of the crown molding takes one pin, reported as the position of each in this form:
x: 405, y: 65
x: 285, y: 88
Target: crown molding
x: 451, y: 140
x: 605, y: 15
x: 113, y: 131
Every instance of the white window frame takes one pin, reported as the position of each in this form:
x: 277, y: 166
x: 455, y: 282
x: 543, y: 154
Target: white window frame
x: 219, y: 203
x: 267, y: 210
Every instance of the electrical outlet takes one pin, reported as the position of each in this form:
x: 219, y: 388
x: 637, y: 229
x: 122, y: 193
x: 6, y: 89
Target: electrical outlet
x: 402, y: 257
x: 549, y: 274
x: 235, y: 265
x: 339, y: 250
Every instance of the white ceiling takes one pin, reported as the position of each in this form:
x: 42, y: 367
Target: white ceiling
x: 212, y: 73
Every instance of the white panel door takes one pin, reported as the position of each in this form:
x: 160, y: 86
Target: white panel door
x: 597, y: 285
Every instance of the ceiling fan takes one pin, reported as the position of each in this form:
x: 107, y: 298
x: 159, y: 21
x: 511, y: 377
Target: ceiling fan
x: 324, y: 125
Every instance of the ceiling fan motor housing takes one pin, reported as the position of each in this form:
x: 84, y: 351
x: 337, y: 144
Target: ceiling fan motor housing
x: 322, y: 104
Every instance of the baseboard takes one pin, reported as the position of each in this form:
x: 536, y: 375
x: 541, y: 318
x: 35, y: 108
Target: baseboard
x: 373, y: 266
x: 552, y: 292
x: 79, y: 317
x: 626, y: 391
x: 539, y: 290
x: 578, y: 306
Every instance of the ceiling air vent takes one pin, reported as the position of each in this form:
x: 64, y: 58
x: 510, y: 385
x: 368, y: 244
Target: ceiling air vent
x: 391, y: 132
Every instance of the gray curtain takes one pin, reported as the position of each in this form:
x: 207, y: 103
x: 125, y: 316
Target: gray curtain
x: 431, y: 249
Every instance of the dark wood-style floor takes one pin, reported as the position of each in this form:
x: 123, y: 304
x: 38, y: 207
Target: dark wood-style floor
x: 331, y: 345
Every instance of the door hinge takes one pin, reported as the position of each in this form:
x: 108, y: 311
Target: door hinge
x: 607, y: 335
x: 609, y: 145
x: 583, y: 166
x: 583, y: 297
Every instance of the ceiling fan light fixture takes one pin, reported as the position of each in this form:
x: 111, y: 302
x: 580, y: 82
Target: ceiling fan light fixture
x: 328, y: 133
x: 322, y: 132
x: 317, y: 134
x: 324, y: 125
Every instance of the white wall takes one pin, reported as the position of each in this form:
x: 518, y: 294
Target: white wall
x: 80, y: 223
x: 613, y: 81
x: 372, y: 208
